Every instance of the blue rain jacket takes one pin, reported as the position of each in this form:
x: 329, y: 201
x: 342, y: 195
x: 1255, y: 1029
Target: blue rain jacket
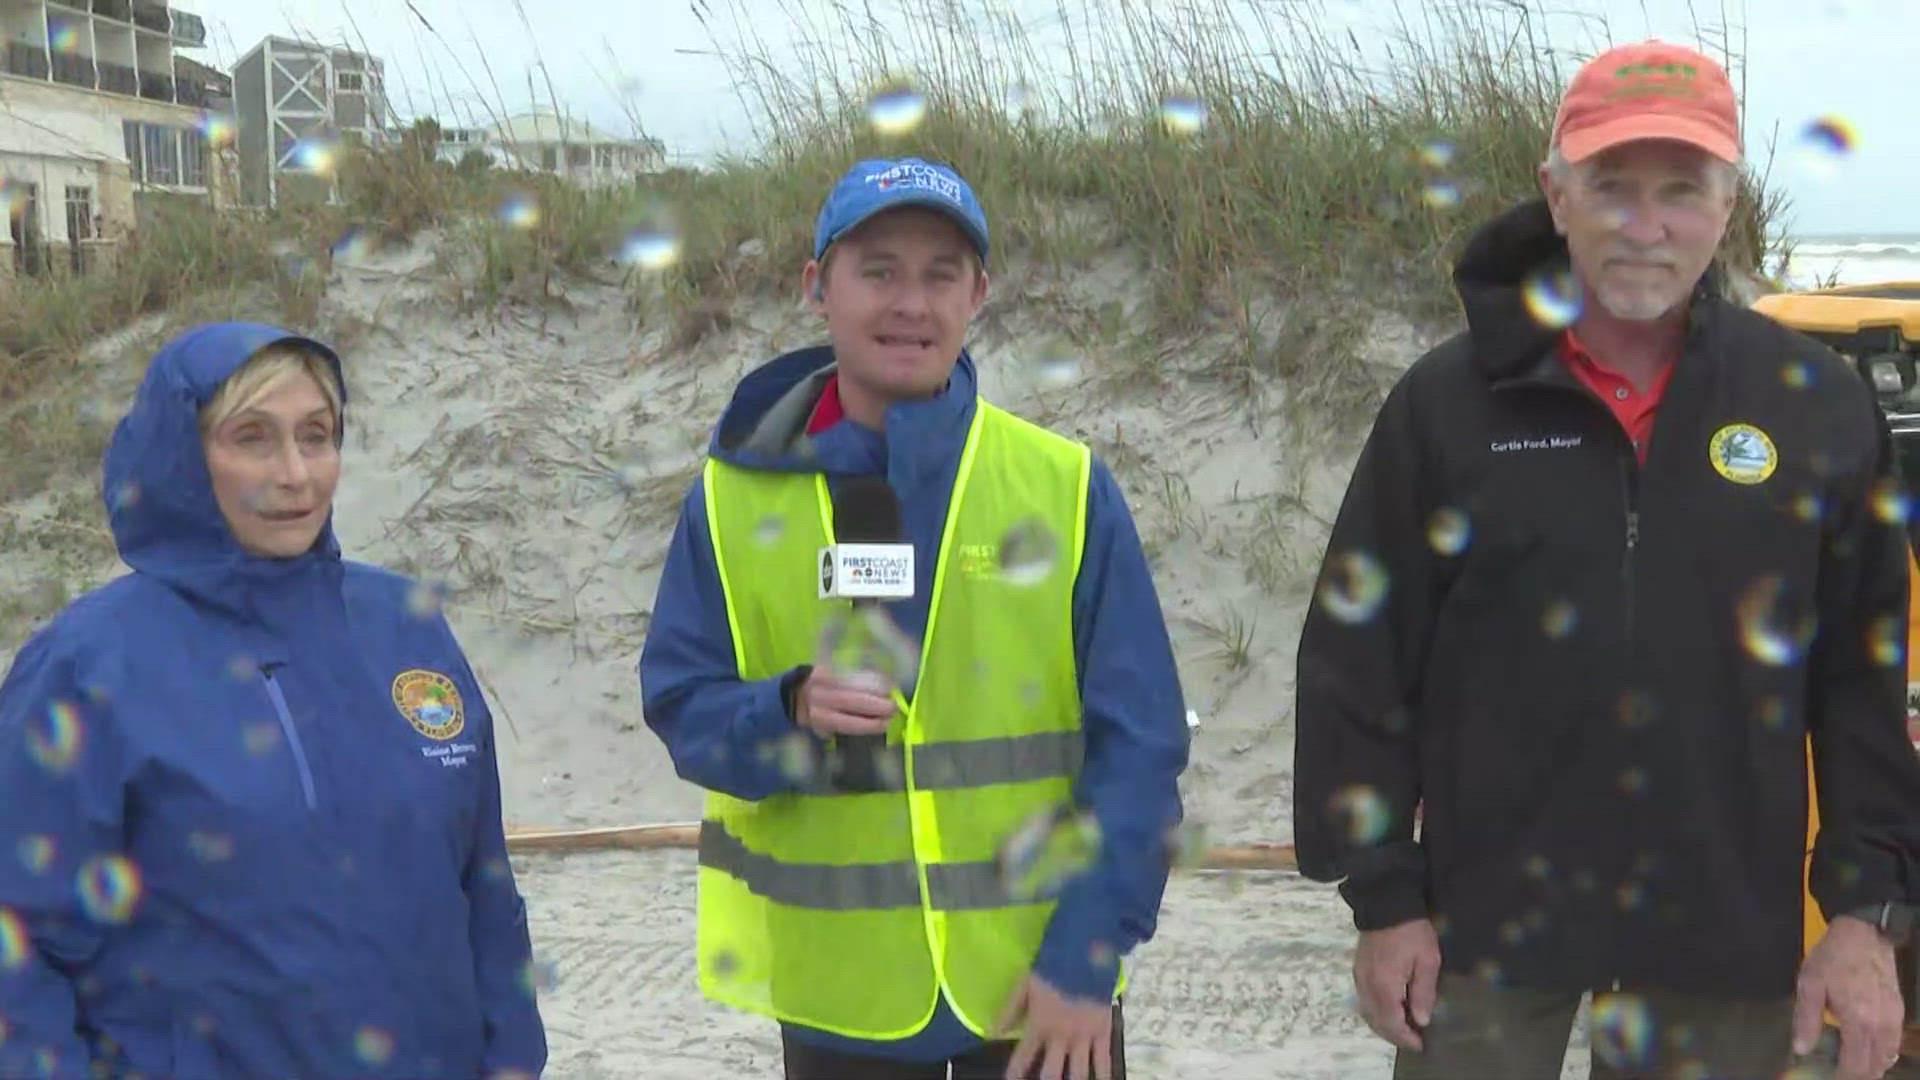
x: 715, y: 726
x: 228, y: 849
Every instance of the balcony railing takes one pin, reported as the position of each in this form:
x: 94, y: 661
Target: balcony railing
x: 156, y: 87
x: 192, y: 93
x: 118, y: 78
x: 189, y: 29
x: 73, y: 70
x: 28, y: 60
x: 152, y: 16
x: 114, y: 9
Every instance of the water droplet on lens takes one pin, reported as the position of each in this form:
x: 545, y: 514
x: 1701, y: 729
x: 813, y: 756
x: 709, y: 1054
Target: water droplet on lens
x: 792, y: 754
x: 1183, y: 113
x: 1797, y: 374
x: 110, y: 888
x: 1635, y: 710
x: 1553, y: 298
x: 373, y: 1046
x: 242, y: 668
x: 210, y: 847
x: 54, y: 737
x: 126, y: 496
x: 14, y: 944
x: 896, y: 109
x: 1028, y: 553
x: 725, y: 964
x: 1437, y: 154
x: 1187, y: 845
x: 1441, y: 194
x: 1633, y: 781
x: 867, y: 639
x: 1056, y: 363
x: 1769, y: 629
x: 1559, y: 619
x: 427, y: 598
x: 1538, y: 868
x: 1886, y: 641
x: 769, y: 531
x: 1890, y: 503
x: 1102, y: 956
x: 1807, y: 507
x: 261, y: 737
x: 1363, y: 814
x: 1448, y: 531
x: 1354, y: 587
x: 217, y: 130
x: 1825, y: 144
x: 354, y: 244
x: 316, y: 154
x: 653, y: 246
x: 1051, y: 849
x: 630, y: 474
x: 1773, y: 714
x: 1621, y: 1028
x: 519, y: 210
x: 37, y: 852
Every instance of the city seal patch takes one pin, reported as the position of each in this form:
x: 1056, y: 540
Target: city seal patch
x: 430, y: 702
x: 1743, y: 454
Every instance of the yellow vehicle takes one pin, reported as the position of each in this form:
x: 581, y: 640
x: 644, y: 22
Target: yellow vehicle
x: 1877, y: 327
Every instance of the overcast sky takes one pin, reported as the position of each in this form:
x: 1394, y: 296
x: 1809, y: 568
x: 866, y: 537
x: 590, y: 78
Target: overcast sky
x: 652, y: 60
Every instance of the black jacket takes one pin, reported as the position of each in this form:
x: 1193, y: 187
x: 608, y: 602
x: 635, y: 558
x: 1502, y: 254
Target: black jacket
x: 1598, y: 677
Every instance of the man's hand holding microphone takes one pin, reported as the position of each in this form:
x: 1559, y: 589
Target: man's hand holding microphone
x: 830, y: 703
x: 848, y: 697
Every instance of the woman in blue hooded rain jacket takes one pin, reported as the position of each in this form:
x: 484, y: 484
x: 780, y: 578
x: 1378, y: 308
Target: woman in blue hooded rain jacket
x: 251, y: 813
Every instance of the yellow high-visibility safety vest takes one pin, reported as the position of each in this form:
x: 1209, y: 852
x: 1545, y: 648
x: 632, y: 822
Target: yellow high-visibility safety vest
x: 851, y: 912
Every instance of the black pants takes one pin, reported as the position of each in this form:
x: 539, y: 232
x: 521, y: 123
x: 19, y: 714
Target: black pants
x: 1503, y: 1033
x: 989, y: 1062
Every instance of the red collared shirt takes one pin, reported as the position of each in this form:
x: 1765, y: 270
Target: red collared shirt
x: 828, y: 410
x: 1632, y: 406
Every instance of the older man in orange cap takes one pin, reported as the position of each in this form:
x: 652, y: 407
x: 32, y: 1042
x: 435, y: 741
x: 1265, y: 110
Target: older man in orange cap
x: 1608, y: 565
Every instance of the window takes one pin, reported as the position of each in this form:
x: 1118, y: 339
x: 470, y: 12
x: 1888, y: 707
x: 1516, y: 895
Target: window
x: 579, y: 156
x: 193, y: 158
x: 136, y: 160
x: 79, y: 214
x: 603, y: 156
x: 350, y: 82
x: 161, y: 147
x: 549, y: 158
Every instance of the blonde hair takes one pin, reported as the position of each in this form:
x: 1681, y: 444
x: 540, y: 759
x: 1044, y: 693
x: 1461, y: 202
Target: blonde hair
x: 261, y: 373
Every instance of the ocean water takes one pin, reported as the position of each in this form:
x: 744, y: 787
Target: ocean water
x: 1853, y: 260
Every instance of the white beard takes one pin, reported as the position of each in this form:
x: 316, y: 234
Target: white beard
x: 1635, y: 304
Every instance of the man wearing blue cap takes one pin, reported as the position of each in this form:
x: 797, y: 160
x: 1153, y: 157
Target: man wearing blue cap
x: 880, y: 914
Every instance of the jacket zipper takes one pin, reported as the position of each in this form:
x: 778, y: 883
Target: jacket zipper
x: 1630, y: 494
x: 293, y: 738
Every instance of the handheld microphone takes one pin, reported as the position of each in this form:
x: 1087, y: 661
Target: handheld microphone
x: 870, y: 562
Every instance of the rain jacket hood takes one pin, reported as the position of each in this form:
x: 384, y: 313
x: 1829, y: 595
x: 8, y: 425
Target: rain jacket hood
x: 159, y: 494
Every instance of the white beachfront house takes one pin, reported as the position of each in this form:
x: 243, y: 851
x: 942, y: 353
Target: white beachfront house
x: 98, y: 102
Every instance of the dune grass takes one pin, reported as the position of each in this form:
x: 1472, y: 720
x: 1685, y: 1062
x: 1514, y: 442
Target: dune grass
x: 1236, y: 154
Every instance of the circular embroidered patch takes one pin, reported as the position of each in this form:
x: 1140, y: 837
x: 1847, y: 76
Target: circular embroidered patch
x: 430, y: 702
x: 1743, y: 454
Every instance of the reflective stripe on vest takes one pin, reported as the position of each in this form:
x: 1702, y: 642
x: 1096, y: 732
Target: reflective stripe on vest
x: 850, y: 912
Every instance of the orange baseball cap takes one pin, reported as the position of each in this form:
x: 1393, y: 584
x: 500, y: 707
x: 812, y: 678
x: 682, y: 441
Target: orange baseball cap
x: 1650, y: 90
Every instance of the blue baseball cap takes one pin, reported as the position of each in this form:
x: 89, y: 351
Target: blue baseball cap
x: 875, y: 185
